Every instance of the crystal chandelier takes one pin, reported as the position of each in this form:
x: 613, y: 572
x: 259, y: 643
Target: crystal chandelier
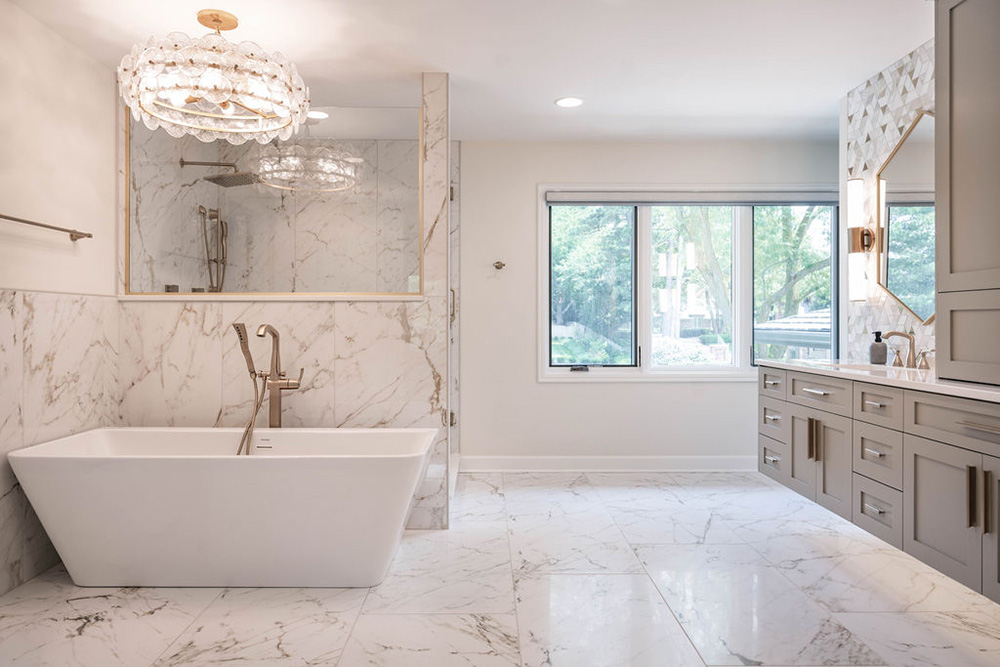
x: 308, y: 166
x: 212, y: 88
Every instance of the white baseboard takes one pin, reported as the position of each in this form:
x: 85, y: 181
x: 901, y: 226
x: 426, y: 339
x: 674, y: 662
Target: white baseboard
x: 607, y: 463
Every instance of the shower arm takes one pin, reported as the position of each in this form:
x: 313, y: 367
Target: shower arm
x: 194, y: 163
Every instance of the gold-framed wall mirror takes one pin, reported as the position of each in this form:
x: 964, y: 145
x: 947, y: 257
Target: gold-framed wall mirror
x: 335, y: 210
x: 905, y: 238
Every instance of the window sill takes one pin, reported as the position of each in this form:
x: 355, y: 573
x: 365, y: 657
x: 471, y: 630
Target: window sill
x: 667, y: 377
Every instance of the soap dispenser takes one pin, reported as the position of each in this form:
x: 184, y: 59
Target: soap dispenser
x: 878, y: 351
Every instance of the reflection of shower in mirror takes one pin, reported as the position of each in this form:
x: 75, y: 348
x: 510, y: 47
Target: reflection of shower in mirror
x: 215, y: 261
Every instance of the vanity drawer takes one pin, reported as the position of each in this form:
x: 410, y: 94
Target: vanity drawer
x: 875, y: 404
x: 957, y: 421
x: 878, y: 453
x: 879, y: 510
x: 821, y: 392
x: 773, y: 459
x: 771, y: 382
x: 772, y: 419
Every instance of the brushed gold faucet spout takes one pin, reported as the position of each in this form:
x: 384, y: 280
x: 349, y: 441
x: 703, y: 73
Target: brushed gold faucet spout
x: 277, y: 381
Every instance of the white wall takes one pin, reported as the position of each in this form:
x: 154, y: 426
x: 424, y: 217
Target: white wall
x: 57, y: 160
x: 506, y: 412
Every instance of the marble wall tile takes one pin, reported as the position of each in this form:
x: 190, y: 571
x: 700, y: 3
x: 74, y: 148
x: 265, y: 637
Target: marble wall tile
x: 11, y: 364
x: 171, y: 364
x: 390, y: 362
x: 336, y: 232
x: 398, y: 241
x: 166, y: 240
x: 70, y: 346
x: 12, y: 503
x: 435, y: 158
x: 307, y: 342
x: 58, y: 368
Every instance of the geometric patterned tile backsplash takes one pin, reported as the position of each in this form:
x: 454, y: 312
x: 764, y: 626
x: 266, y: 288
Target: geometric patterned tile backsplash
x: 878, y: 113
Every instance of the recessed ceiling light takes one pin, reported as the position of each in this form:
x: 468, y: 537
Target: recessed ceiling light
x: 318, y: 115
x: 568, y: 102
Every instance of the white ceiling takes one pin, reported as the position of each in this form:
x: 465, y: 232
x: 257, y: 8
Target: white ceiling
x: 647, y: 69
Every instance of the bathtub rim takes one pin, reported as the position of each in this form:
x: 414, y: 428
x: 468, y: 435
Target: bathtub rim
x: 50, y: 449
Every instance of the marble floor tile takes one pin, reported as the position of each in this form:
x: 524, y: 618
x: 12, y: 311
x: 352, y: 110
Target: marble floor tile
x: 673, y: 526
x: 478, y: 497
x: 269, y: 626
x: 543, y: 493
x: 738, y: 610
x: 881, y: 580
x: 585, y: 541
x: 49, y: 621
x: 464, y: 569
x: 966, y: 639
x: 433, y: 640
x: 787, y: 543
x: 647, y: 491
x: 607, y: 619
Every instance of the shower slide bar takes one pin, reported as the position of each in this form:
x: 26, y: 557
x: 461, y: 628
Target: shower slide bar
x: 74, y: 234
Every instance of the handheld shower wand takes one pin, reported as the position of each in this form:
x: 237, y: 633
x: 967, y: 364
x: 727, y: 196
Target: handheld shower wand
x: 258, y: 394
x: 241, y: 333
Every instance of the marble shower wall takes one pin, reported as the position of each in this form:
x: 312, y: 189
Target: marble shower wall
x: 364, y: 239
x: 366, y: 363
x: 58, y: 376
x: 878, y: 112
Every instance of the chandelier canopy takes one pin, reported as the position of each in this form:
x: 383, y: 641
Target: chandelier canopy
x: 308, y: 166
x: 212, y: 88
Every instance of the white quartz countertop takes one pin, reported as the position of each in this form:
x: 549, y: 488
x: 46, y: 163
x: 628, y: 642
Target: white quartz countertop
x: 904, y: 378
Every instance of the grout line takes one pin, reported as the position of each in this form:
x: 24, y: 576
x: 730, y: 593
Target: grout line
x: 188, y: 626
x: 357, y: 618
x: 513, y: 580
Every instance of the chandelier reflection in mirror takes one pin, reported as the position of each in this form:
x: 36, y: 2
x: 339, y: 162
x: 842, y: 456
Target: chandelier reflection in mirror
x: 307, y: 165
x: 212, y: 88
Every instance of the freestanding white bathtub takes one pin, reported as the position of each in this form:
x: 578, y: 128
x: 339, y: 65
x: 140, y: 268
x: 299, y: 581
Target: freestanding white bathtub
x: 177, y: 507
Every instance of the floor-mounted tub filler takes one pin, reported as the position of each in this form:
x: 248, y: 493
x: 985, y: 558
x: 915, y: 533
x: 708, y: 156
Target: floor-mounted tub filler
x: 179, y: 507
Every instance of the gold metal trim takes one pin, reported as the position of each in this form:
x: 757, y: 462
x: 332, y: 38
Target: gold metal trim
x: 217, y: 19
x: 879, y: 214
x: 126, y: 118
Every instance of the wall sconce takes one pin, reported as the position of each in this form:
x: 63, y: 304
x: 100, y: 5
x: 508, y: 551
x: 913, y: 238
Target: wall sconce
x: 860, y: 241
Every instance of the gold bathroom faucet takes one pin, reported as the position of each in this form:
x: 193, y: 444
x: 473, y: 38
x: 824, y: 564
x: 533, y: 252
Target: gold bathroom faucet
x: 277, y: 380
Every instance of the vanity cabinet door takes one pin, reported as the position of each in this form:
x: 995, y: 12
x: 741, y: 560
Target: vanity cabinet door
x: 941, y: 507
x: 832, y: 448
x: 991, y: 527
x: 801, y: 469
x: 967, y: 145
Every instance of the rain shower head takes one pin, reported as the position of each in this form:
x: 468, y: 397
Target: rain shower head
x: 234, y: 179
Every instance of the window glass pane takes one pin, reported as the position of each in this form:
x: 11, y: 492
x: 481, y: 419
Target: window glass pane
x: 910, y: 257
x: 592, y: 296
x: 692, y: 285
x: 793, y: 281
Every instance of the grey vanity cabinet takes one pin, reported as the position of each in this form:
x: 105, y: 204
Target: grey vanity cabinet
x: 967, y: 166
x: 991, y: 527
x: 941, y: 502
x: 820, y: 450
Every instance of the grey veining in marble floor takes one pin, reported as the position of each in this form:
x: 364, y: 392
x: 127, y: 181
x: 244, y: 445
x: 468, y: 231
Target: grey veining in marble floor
x: 552, y: 569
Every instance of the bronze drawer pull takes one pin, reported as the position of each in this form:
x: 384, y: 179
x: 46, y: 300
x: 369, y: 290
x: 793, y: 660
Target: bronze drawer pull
x: 987, y: 479
x: 985, y: 428
x: 775, y: 418
x: 817, y: 392
x: 771, y: 383
x: 875, y: 404
x: 970, y: 496
x: 874, y: 452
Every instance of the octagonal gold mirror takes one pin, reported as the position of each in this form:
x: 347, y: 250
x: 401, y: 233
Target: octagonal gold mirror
x: 905, y: 239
